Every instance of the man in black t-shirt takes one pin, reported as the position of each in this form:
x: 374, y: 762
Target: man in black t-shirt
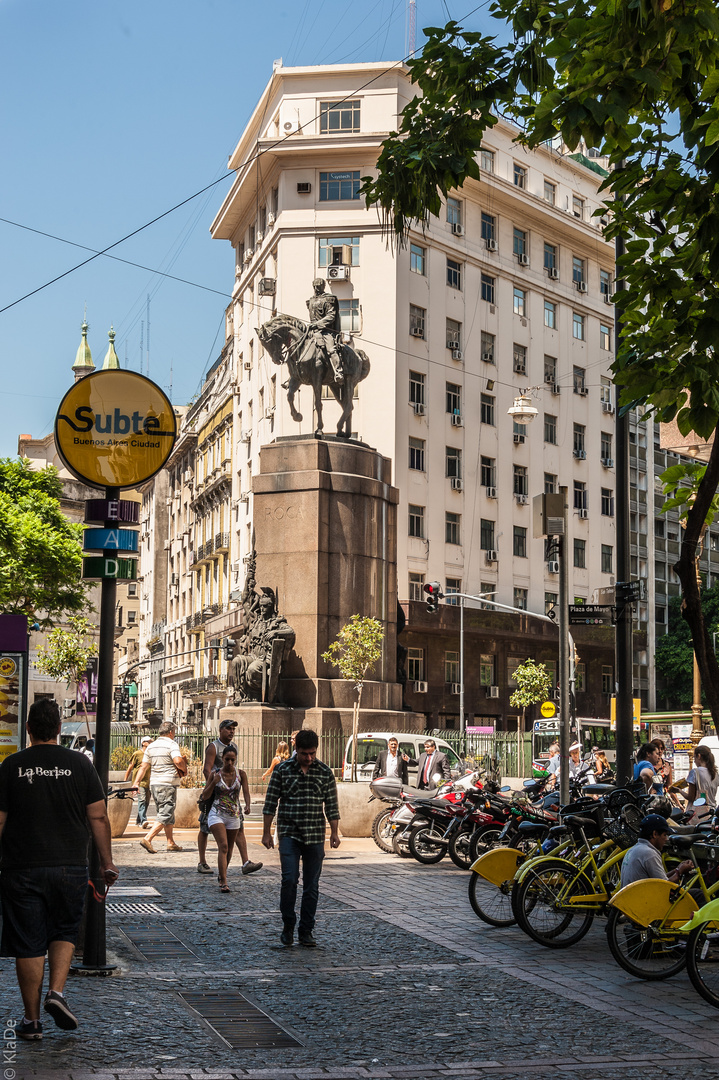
x: 51, y: 799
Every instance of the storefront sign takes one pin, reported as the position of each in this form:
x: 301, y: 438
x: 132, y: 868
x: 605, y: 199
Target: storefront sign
x: 10, y: 691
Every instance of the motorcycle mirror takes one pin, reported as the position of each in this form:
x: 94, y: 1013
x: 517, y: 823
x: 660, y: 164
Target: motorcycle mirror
x: 506, y: 787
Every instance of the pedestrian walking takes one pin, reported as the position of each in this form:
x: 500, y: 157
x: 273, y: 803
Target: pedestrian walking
x: 164, y: 758
x: 51, y: 800
x: 89, y: 750
x: 702, y: 782
x: 281, y: 754
x: 306, y: 792
x: 143, y: 788
x: 213, y: 758
x: 223, y: 789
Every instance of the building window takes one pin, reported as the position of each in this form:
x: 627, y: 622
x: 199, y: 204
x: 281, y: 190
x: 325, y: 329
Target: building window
x: 487, y: 589
x: 659, y: 530
x: 488, y: 226
x: 607, y: 502
x: 519, y: 480
x: 580, y: 495
x: 519, y: 242
x: 486, y: 409
x: 417, y: 259
x: 339, y: 117
x: 452, y: 586
x: 452, y: 528
x: 550, y: 428
x: 606, y: 450
x: 550, y: 315
x: 551, y: 599
x: 487, y: 471
x: 132, y: 588
x: 580, y: 678
x: 605, y: 393
x: 519, y: 429
x: 486, y: 535
x: 417, y: 321
x: 550, y: 483
x: 519, y: 302
x: 580, y: 554
x: 415, y: 665
x: 454, y: 274
x: 607, y: 679
x: 605, y: 283
x: 454, y: 210
x: 578, y: 207
x: 416, y: 387
x: 451, y: 667
x: 520, y: 177
x: 416, y: 586
x: 578, y: 447
x: 416, y: 454
x: 331, y: 253
x: 453, y: 399
x: 577, y: 270
x: 416, y: 521
x: 453, y: 462
x: 550, y: 369
x: 350, y: 320
x: 519, y: 359
x: 660, y: 615
x: 519, y: 542
x: 487, y: 287
x: 605, y: 336
x: 487, y: 347
x: 550, y: 193
x: 578, y: 379
x: 339, y: 186
x: 607, y: 560
x: 454, y: 334
x: 486, y: 160
x: 131, y: 617
x: 520, y: 601
x: 486, y: 669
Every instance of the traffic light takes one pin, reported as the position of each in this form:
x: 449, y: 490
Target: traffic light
x: 214, y: 650
x: 125, y: 712
x: 434, y: 595
x: 229, y: 644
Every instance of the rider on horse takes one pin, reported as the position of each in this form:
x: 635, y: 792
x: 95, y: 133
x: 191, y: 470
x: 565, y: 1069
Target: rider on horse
x: 324, y: 311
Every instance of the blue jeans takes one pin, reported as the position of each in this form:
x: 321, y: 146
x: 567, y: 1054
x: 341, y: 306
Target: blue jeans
x: 291, y: 851
x: 143, y: 801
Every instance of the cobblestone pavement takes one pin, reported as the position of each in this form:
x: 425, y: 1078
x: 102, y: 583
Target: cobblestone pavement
x: 407, y: 983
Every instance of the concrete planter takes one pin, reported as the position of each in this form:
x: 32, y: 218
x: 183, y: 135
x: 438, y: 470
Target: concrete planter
x: 187, y: 814
x: 356, y: 813
x: 118, y: 811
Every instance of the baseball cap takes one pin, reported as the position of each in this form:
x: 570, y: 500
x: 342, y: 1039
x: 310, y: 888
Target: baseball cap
x: 146, y: 738
x: 228, y: 723
x: 652, y: 823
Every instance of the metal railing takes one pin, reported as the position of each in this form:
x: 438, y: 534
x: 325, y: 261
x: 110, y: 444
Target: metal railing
x: 502, y: 750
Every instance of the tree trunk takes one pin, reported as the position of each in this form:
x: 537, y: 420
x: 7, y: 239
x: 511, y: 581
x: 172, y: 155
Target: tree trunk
x: 355, y: 731
x: 686, y: 570
x: 84, y: 712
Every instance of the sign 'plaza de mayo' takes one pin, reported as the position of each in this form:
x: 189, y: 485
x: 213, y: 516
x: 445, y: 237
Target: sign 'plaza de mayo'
x: 115, y: 429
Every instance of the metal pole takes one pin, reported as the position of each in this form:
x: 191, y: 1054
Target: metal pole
x: 564, y: 688
x: 462, y: 724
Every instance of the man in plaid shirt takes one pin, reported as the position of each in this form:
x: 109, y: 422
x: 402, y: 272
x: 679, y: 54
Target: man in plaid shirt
x: 307, y: 794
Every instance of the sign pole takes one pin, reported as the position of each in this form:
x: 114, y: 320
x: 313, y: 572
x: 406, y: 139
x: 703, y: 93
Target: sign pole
x: 564, y: 696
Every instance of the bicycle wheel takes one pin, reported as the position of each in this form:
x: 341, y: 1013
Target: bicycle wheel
x: 646, y: 952
x: 491, y: 903
x: 459, y: 851
x: 424, y: 845
x: 703, y: 962
x: 539, y: 904
x: 382, y: 830
x: 482, y: 840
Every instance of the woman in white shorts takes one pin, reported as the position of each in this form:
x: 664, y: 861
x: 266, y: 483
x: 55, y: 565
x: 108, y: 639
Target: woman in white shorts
x: 225, y: 817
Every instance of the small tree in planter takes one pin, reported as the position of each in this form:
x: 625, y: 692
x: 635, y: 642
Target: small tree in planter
x: 533, y: 684
x: 68, y: 654
x: 355, y: 649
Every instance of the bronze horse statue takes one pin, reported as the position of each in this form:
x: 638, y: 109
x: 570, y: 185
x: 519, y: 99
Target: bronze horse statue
x: 289, y: 340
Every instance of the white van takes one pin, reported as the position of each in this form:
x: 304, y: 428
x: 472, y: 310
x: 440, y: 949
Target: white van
x: 73, y: 733
x: 411, y: 743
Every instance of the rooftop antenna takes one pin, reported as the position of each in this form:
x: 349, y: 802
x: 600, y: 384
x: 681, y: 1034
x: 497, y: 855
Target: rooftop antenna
x: 412, y: 35
x: 147, y: 344
x: 169, y: 388
x: 142, y: 342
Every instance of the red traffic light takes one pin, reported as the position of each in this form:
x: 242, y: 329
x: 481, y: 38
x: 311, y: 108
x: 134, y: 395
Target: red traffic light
x: 434, y: 589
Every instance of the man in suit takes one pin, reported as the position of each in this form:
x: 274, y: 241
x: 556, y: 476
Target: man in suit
x: 431, y: 762
x: 391, y: 763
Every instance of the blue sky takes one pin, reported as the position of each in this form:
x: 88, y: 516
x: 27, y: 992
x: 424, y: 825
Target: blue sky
x: 113, y: 112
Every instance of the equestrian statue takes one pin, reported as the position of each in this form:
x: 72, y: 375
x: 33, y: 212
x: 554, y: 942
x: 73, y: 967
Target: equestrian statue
x: 316, y: 357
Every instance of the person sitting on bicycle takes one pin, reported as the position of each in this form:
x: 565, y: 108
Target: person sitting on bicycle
x: 647, y: 767
x: 644, y: 860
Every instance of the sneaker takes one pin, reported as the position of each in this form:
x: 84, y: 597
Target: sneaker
x: 148, y: 846
x: 307, y: 940
x: 251, y: 867
x: 203, y: 868
x: 56, y: 1005
x: 287, y: 936
x: 174, y: 847
x: 28, y: 1029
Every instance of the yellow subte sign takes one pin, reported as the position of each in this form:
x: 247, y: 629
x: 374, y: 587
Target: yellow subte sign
x: 547, y: 709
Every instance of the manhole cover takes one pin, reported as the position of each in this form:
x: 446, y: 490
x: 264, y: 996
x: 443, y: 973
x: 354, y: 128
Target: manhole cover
x: 157, y: 943
x: 239, y: 1024
x: 134, y: 909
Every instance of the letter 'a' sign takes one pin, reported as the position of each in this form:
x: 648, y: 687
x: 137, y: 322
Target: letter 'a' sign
x: 115, y: 429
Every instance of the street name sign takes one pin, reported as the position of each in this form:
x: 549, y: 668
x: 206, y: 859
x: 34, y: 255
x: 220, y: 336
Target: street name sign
x: 591, y: 615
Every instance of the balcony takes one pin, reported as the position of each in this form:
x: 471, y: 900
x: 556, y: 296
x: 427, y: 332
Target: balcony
x: 222, y: 541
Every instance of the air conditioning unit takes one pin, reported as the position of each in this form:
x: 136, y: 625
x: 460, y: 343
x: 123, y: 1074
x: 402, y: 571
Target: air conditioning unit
x: 518, y: 438
x: 491, y: 555
x: 457, y: 229
x: 606, y: 298
x: 583, y: 391
x: 580, y: 454
x: 456, y: 420
x: 549, y: 379
x: 583, y: 513
x: 175, y: 579
x: 269, y: 412
x: 523, y: 259
x: 451, y: 344
x: 491, y: 244
x: 456, y: 483
x: 420, y: 687
x: 556, y: 388
x: 457, y: 354
x: 337, y: 273
x: 608, y: 462
x: 418, y: 407
x: 417, y: 331
x: 488, y: 357
x: 553, y: 273
x: 492, y: 691
x: 247, y: 365
x: 245, y: 436
x: 553, y: 567
x: 522, y: 500
x: 608, y: 406
x: 304, y: 189
x: 491, y: 492
x: 520, y: 369
x: 455, y: 688
x: 267, y: 286
x: 581, y: 286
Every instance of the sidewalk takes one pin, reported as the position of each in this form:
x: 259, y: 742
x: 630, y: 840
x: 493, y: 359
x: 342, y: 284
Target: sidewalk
x: 407, y: 983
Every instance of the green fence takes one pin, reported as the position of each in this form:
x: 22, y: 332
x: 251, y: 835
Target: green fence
x: 501, y: 751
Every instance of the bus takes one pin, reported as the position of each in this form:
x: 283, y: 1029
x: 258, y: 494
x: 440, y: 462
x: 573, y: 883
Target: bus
x: 588, y: 730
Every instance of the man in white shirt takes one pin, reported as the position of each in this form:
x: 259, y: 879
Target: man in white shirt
x: 391, y: 763
x: 168, y: 766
